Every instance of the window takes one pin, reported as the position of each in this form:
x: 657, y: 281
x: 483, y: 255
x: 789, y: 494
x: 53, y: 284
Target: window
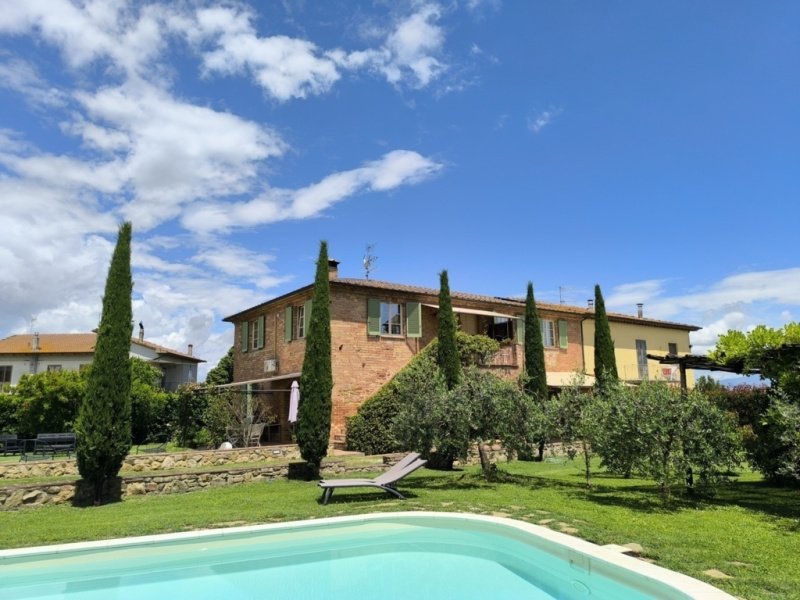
x: 5, y: 377
x: 254, y: 335
x: 641, y: 358
x: 300, y: 317
x: 295, y: 322
x: 53, y: 368
x: 500, y: 329
x: 391, y: 321
x: 548, y: 333
x: 386, y: 318
x: 673, y: 348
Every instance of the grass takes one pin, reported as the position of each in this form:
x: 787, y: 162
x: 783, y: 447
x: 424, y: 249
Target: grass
x: 749, y: 530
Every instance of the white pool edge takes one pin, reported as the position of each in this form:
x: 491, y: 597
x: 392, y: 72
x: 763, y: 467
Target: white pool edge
x: 694, y: 588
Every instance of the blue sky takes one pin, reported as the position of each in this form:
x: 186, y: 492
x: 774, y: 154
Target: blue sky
x: 650, y: 147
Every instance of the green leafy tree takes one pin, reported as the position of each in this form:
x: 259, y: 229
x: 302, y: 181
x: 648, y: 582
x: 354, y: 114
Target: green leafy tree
x: 605, y: 362
x: 316, y: 381
x: 223, y: 372
x: 621, y: 433
x: 447, y: 353
x: 150, y: 404
x: 768, y: 350
x: 574, y: 418
x: 371, y: 429
x: 679, y: 434
x: 104, y: 419
x: 48, y: 402
x: 535, y: 380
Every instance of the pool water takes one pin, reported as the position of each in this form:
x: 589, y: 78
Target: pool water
x: 385, y: 557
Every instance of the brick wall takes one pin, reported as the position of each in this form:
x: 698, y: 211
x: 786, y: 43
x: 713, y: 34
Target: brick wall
x: 363, y: 363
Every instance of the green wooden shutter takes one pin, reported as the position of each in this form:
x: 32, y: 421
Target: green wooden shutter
x: 413, y: 319
x: 260, y: 332
x: 373, y: 316
x: 307, y: 317
x: 520, y: 321
x: 245, y: 336
x: 563, y: 341
x: 287, y: 324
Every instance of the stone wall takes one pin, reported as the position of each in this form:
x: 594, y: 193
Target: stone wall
x: 42, y: 494
x: 154, y: 462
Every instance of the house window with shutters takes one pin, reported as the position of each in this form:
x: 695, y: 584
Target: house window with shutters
x: 391, y: 322
x: 641, y: 358
x: 300, y: 316
x: 393, y: 319
x: 254, y: 335
x: 672, y: 348
x: 295, y: 321
x: 548, y: 333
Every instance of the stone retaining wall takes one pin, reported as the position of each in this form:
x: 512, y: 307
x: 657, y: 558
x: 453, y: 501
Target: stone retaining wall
x: 34, y: 495
x: 154, y: 462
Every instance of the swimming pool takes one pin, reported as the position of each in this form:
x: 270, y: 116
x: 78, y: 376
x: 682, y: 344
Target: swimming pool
x: 393, y: 556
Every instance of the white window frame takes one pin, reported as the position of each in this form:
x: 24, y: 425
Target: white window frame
x: 548, y: 327
x: 386, y: 321
x: 299, y: 321
x: 253, y: 331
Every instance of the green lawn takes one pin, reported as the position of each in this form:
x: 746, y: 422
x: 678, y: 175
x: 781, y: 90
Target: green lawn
x: 749, y: 531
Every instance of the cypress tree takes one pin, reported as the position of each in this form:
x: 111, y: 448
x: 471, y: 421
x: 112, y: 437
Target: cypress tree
x: 316, y: 380
x: 536, y: 377
x: 103, y: 426
x: 535, y: 373
x: 447, y: 352
x: 605, y: 363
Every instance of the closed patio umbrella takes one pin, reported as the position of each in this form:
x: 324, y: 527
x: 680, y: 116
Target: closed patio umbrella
x: 294, y: 401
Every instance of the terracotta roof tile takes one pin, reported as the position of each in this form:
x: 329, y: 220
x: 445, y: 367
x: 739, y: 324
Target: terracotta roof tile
x: 516, y: 302
x: 71, y: 343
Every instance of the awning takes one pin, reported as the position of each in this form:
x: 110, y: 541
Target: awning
x: 474, y: 311
x: 275, y: 378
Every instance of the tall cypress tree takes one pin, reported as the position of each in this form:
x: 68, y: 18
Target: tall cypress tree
x: 535, y: 373
x: 536, y: 377
x: 605, y: 363
x: 447, y: 352
x: 316, y: 381
x: 103, y: 426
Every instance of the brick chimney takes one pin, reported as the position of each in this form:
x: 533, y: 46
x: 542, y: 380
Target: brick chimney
x: 333, y: 269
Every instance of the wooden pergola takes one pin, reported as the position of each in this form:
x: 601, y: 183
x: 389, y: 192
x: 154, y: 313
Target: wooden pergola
x: 702, y: 363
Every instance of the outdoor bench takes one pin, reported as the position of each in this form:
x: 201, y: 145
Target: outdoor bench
x: 55, y: 443
x: 10, y: 443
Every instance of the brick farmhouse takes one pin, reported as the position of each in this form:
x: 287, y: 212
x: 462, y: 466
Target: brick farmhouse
x: 377, y: 327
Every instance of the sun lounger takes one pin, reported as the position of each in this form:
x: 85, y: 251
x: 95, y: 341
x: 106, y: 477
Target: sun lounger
x: 386, y: 481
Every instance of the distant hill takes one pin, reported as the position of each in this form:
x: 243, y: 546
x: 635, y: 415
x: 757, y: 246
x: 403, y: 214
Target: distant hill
x: 754, y: 380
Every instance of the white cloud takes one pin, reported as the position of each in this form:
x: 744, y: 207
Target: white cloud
x: 542, y: 119
x: 739, y: 301
x: 22, y: 77
x: 396, y: 168
x: 133, y: 148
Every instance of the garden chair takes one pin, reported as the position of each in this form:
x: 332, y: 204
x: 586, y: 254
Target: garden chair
x: 254, y: 436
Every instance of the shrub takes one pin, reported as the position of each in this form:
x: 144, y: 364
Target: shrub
x: 777, y: 453
x: 150, y: 405
x: 190, y: 408
x: 8, y: 413
x: 48, y: 402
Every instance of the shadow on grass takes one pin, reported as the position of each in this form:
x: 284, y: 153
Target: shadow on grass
x: 761, y: 496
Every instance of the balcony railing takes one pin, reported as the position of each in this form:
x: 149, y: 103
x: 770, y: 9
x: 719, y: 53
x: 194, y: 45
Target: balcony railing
x: 505, y: 357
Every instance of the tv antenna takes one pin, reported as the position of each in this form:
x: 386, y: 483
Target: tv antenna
x: 369, y: 260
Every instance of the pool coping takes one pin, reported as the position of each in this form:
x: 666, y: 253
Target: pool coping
x: 694, y: 588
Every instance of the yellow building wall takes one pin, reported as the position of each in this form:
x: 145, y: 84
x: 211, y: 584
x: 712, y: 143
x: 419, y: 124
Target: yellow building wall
x: 625, y: 336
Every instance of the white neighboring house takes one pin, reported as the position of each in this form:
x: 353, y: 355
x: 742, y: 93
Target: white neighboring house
x: 21, y: 354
